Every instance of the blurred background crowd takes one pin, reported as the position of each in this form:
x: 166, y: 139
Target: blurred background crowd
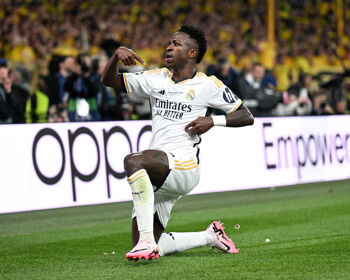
x: 282, y: 58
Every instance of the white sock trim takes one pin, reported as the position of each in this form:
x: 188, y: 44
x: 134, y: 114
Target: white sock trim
x: 136, y: 175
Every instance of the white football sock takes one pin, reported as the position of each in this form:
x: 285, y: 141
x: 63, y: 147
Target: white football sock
x: 143, y: 198
x: 173, y: 242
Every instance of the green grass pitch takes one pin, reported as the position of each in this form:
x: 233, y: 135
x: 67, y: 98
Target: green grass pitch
x: 308, y: 225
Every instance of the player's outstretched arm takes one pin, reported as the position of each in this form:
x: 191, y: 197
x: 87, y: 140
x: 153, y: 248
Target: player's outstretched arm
x: 241, y: 117
x: 110, y: 76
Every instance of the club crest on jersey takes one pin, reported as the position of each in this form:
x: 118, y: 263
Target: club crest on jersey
x: 191, y: 95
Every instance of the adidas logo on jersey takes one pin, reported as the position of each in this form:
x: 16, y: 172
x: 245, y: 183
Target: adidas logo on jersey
x: 162, y: 92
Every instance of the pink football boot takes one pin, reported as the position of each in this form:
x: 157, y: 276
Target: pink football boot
x: 221, y: 240
x: 144, y: 249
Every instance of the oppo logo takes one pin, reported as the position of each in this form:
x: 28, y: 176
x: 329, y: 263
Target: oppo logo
x: 101, y: 150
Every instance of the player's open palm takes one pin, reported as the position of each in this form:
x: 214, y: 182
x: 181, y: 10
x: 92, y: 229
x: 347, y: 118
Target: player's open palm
x: 199, y: 126
x: 128, y: 56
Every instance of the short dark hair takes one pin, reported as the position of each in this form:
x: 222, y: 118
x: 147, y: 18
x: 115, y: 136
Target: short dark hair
x: 62, y: 58
x: 257, y: 64
x: 3, y: 62
x: 198, y: 35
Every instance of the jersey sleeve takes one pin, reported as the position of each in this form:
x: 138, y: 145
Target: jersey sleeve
x: 138, y: 84
x: 221, y: 97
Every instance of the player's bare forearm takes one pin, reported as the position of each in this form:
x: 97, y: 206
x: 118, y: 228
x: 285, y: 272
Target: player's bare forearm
x: 110, y: 76
x: 240, y: 117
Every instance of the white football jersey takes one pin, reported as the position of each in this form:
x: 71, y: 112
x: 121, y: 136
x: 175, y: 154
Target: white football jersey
x: 175, y: 104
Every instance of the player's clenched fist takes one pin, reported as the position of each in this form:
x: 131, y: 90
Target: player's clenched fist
x: 199, y: 126
x: 128, y: 56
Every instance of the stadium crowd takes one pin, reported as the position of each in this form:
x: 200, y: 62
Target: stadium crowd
x: 53, y: 53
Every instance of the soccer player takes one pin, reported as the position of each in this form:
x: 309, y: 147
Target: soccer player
x: 158, y: 177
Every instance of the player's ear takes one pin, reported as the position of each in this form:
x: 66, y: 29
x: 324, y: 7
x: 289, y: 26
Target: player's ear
x: 193, y: 53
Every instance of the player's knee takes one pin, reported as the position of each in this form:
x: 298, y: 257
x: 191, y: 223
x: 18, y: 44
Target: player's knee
x: 132, y: 163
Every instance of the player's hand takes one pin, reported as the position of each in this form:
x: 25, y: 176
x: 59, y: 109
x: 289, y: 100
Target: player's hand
x: 199, y: 126
x: 128, y: 56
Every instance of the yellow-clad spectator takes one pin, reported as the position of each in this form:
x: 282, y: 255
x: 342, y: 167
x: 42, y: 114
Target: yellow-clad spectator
x: 22, y: 53
x: 282, y: 73
x: 67, y: 48
x: 302, y: 62
x: 247, y: 59
x: 267, y: 53
x: 318, y: 62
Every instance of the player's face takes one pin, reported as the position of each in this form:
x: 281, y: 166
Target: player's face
x: 178, y: 50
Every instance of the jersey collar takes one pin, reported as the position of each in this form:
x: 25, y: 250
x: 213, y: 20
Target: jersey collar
x: 185, y: 80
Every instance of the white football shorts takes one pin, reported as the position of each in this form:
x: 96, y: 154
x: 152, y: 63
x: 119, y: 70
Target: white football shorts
x: 183, y: 177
